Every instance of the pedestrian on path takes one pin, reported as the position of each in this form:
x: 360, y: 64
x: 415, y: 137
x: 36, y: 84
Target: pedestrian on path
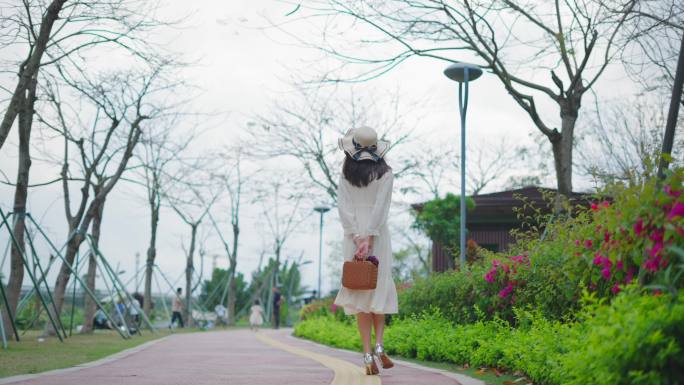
x: 177, y: 308
x: 364, y: 197
x: 256, y: 316
x: 277, y: 301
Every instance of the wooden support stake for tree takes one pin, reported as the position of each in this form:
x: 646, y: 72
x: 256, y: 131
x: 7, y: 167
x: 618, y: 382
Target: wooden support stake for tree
x: 30, y: 274
x: 74, y: 273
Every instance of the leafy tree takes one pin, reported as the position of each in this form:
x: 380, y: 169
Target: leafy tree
x: 212, y: 290
x: 440, y: 219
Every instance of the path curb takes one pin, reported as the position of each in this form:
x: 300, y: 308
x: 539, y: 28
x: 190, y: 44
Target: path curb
x: 461, y: 378
x: 85, y: 365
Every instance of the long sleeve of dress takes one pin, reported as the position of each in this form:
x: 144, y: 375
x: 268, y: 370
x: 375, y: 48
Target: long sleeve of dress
x: 345, y: 208
x: 381, y: 207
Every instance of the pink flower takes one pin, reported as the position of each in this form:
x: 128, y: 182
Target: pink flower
x: 619, y: 265
x: 594, y: 207
x: 639, y: 226
x: 577, y: 242
x: 506, y: 291
x: 333, y: 308
x: 655, y: 250
x: 490, y: 276
x: 496, y: 263
x: 606, y: 236
x: 677, y: 211
x: 652, y: 264
x: 605, y: 203
x: 605, y: 273
x: 598, y: 259
x: 588, y: 243
x: 672, y: 193
x: 615, y: 289
x: 658, y: 235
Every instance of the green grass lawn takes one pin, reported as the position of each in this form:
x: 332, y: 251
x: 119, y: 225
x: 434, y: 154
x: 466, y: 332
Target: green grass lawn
x: 31, y: 356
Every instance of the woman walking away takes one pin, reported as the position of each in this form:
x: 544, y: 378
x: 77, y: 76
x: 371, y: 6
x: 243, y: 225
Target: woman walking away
x: 364, y: 197
x: 256, y: 317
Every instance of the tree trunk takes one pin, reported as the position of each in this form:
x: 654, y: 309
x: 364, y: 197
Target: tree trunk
x: 189, y: 269
x: 64, y: 273
x: 29, y: 69
x: 232, y: 290
x: 562, y: 146
x: 232, y: 294
x: 151, y: 255
x: 16, y: 277
x: 90, y: 305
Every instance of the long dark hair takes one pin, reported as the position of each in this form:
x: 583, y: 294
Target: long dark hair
x: 361, y: 172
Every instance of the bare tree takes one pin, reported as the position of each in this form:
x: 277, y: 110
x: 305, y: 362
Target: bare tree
x: 624, y: 141
x: 234, y: 182
x: 572, y: 42
x: 282, y: 211
x: 652, y: 38
x: 489, y: 163
x: 158, y: 152
x: 306, y: 127
x: 50, y: 32
x: 46, y: 34
x: 192, y: 200
x: 103, y: 149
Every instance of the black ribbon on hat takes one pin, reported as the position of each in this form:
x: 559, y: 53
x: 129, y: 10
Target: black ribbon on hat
x: 359, y: 149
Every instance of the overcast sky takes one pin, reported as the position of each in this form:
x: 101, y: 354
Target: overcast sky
x: 240, y: 69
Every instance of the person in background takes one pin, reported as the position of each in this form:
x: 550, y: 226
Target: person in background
x: 220, y: 311
x: 277, y: 301
x: 177, y: 308
x: 134, y: 311
x: 100, y: 320
x: 256, y: 316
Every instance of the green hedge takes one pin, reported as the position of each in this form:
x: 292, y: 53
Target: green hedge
x: 637, y: 339
x: 633, y: 237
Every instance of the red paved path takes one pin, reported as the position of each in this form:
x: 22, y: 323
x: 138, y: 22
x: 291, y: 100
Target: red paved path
x: 227, y: 357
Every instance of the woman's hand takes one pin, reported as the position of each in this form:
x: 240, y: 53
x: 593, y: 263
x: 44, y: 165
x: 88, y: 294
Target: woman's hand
x: 363, y: 247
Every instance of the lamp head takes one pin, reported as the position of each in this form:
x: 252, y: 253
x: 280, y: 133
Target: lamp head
x: 456, y: 72
x: 322, y: 209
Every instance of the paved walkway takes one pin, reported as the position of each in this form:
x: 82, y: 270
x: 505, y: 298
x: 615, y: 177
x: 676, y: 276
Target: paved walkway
x: 238, y: 357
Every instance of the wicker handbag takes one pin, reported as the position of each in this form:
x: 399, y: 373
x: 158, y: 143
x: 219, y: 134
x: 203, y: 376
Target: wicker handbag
x: 359, y: 275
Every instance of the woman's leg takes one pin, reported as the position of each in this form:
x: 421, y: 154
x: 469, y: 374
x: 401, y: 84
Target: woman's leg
x: 365, y: 321
x: 379, y: 324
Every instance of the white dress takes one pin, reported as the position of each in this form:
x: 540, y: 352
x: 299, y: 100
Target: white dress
x: 256, y: 317
x: 364, y: 211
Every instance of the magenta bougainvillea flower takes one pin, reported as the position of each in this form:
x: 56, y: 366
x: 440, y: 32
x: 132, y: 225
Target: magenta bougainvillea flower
x: 605, y: 272
x: 676, y: 211
x: 639, y: 226
x: 491, y: 275
x: 506, y: 291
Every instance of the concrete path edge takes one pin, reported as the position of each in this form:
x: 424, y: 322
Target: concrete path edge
x: 90, y: 364
x: 462, y: 378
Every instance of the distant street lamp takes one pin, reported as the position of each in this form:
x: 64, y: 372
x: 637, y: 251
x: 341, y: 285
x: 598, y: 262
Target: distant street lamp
x: 463, y: 73
x: 321, y: 210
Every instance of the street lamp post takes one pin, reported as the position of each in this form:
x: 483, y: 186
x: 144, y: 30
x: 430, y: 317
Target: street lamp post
x: 463, y: 73
x: 321, y: 210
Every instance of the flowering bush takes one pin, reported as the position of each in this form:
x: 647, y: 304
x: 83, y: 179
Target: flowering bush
x: 632, y: 238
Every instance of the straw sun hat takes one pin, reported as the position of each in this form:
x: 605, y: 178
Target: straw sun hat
x: 362, y: 144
